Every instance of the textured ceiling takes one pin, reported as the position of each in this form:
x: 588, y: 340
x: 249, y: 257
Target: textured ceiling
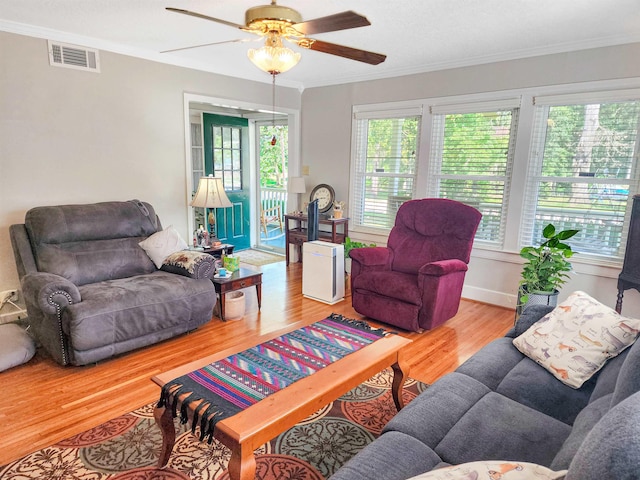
x: 416, y: 35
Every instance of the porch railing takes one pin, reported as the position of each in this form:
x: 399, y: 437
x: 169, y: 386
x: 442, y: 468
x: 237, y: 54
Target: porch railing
x: 270, y: 197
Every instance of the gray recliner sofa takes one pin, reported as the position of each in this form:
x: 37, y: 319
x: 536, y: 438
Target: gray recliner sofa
x: 501, y: 405
x: 92, y: 292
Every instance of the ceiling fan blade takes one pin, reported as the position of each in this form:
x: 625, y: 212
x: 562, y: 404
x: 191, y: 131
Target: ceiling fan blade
x: 342, y: 51
x: 205, y: 17
x: 209, y: 44
x: 332, y: 23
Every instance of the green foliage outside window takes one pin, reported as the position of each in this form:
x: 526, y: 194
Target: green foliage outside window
x: 273, y: 158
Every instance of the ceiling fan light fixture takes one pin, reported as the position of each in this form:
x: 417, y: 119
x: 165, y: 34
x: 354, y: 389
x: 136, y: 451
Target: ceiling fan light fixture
x: 273, y: 57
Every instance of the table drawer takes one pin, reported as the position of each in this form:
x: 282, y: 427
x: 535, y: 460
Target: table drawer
x: 243, y: 283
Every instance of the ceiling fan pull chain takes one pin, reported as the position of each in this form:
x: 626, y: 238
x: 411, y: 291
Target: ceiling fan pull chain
x: 274, y: 140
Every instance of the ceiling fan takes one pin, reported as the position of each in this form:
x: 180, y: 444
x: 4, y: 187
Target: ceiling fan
x: 277, y: 22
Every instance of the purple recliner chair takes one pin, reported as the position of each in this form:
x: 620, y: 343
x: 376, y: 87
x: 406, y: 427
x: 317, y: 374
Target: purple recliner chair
x: 415, y: 283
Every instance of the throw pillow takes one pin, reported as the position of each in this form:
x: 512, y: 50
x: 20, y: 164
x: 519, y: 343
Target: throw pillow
x: 162, y: 244
x: 16, y: 346
x: 575, y: 340
x: 186, y: 262
x: 492, y: 470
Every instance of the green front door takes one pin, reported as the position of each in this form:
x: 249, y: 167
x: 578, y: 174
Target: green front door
x: 226, y: 156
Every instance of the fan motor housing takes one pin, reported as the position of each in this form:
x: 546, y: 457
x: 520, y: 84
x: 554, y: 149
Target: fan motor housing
x: 272, y: 12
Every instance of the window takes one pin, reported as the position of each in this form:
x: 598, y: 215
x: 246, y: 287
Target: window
x: 472, y: 151
x: 582, y: 169
x: 227, y: 155
x: 384, y: 165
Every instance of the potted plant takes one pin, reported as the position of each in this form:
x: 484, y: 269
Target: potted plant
x: 546, y: 268
x: 350, y: 245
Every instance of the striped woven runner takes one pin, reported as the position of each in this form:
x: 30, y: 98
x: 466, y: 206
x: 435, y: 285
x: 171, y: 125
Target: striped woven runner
x: 236, y: 382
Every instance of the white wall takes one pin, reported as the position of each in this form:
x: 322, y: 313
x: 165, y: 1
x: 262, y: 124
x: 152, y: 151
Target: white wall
x: 69, y: 136
x: 493, y: 277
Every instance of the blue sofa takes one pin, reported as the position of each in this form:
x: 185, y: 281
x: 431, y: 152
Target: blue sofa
x: 501, y: 405
x: 91, y: 290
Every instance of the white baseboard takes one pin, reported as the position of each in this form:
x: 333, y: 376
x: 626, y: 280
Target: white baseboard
x: 489, y: 296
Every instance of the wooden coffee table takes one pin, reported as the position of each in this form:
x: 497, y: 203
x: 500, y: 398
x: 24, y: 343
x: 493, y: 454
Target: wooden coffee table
x: 241, y: 278
x: 246, y: 431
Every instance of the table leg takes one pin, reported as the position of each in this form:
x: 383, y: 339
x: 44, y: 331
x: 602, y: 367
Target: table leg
x: 164, y: 419
x: 259, y: 292
x: 222, y: 298
x: 242, y: 464
x: 399, y: 375
x: 619, y: 300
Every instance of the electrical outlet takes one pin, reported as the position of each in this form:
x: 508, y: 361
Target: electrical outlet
x: 12, y: 295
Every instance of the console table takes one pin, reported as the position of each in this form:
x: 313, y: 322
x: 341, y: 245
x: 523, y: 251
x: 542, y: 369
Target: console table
x: 296, y: 232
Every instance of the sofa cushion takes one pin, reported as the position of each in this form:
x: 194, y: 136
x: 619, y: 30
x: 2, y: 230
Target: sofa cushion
x: 162, y: 244
x: 492, y: 470
x: 576, y: 339
x: 502, y: 368
x: 92, y: 243
x: 585, y: 421
x: 397, y: 285
x: 439, y: 407
x: 611, y: 449
x: 496, y: 427
x: 608, y: 376
x: 493, y: 362
x: 16, y: 346
x: 530, y: 384
x: 115, y: 311
x: 628, y: 381
x: 392, y: 456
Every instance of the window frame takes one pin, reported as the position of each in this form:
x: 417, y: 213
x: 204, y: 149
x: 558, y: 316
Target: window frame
x: 509, y: 253
x: 359, y: 159
x: 535, y: 164
x: 435, y: 161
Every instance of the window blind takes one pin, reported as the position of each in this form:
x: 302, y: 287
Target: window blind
x: 471, y: 161
x: 383, y: 167
x: 582, y: 171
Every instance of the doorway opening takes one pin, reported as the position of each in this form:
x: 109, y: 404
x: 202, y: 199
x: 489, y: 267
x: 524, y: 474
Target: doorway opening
x: 264, y: 168
x: 272, y: 139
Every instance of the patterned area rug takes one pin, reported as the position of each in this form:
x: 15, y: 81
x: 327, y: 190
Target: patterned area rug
x: 127, y: 448
x: 257, y: 257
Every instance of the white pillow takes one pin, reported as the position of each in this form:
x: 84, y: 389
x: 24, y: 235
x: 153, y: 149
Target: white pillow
x: 492, y: 470
x: 575, y: 340
x: 162, y: 244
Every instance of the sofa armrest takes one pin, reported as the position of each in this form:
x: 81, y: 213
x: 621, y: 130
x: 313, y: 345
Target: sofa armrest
x: 530, y: 316
x: 369, y: 259
x: 25, y: 262
x: 49, y: 292
x: 443, y: 267
x: 371, y: 256
x: 190, y: 264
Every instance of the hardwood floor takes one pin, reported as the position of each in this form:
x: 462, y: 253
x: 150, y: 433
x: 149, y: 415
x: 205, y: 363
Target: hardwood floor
x: 44, y: 403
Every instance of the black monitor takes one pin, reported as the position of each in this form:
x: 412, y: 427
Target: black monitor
x: 312, y: 221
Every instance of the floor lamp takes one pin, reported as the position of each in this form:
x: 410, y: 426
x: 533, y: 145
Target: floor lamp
x: 211, y: 194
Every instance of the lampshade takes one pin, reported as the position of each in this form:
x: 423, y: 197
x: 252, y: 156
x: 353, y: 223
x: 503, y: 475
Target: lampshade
x: 211, y: 194
x: 296, y: 185
x: 273, y: 58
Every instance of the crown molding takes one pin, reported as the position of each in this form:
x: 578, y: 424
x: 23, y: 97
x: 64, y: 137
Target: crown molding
x: 380, y: 74
x: 483, y: 60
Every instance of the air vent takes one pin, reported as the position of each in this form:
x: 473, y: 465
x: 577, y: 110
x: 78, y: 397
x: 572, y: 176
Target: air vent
x: 73, y: 56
